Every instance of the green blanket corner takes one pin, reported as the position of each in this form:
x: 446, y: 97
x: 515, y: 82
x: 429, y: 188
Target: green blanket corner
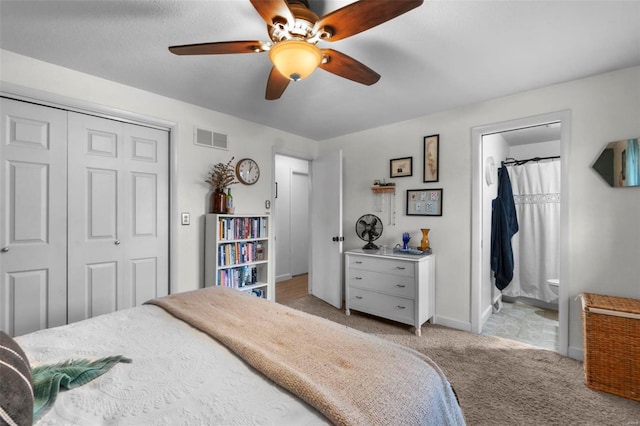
x: 49, y: 379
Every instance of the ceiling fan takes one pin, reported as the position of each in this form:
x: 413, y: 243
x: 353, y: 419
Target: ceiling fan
x: 294, y: 30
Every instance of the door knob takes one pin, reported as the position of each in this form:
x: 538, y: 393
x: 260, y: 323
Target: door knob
x: 117, y: 242
x: 5, y: 249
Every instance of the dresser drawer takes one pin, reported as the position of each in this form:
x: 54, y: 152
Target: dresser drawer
x: 391, y: 307
x: 396, y: 285
x: 386, y: 266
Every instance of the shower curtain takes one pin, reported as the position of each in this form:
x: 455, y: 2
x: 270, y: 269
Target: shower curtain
x: 536, y: 247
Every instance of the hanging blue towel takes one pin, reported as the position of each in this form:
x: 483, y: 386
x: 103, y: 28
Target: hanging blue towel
x: 504, y: 225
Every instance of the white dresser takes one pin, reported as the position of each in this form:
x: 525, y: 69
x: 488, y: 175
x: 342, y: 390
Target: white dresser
x: 399, y: 287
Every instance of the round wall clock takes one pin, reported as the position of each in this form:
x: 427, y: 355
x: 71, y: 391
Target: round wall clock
x: 247, y: 171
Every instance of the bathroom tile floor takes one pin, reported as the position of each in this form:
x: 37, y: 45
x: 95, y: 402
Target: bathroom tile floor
x: 525, y: 323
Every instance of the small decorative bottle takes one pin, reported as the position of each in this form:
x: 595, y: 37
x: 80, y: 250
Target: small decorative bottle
x: 229, y: 201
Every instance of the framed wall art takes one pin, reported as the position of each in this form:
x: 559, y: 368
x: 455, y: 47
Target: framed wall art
x: 431, y: 158
x: 424, y: 202
x: 401, y: 167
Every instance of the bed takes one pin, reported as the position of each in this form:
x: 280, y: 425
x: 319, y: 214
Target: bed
x: 219, y: 356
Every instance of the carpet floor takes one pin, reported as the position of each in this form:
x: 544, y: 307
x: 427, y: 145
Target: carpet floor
x: 498, y: 381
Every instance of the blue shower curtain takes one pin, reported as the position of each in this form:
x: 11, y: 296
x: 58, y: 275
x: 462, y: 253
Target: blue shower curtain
x: 632, y: 167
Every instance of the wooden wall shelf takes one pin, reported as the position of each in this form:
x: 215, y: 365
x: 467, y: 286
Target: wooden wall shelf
x: 383, y: 189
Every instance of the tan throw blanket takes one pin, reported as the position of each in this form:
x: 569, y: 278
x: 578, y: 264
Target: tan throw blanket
x: 351, y: 377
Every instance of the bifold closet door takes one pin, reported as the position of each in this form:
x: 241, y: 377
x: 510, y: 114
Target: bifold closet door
x: 118, y: 215
x: 33, y: 228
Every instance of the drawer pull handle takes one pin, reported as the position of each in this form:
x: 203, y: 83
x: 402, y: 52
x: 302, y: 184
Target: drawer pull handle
x: 401, y: 307
x: 402, y: 268
x: 358, y: 297
x: 357, y: 278
x: 400, y: 285
x: 358, y: 262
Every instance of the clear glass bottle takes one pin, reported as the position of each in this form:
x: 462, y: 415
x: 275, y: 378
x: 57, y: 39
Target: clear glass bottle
x: 229, y: 201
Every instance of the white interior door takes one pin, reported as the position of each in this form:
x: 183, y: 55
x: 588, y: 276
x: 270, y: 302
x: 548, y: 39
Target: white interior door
x: 145, y: 240
x: 118, y: 205
x: 326, y: 228
x: 33, y: 232
x: 96, y: 187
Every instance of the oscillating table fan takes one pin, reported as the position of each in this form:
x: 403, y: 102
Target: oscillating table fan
x: 369, y: 228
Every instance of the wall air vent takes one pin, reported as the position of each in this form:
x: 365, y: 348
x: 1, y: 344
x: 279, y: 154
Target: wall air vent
x: 210, y: 139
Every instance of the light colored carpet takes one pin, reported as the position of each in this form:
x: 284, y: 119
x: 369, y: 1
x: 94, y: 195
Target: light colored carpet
x: 498, y: 381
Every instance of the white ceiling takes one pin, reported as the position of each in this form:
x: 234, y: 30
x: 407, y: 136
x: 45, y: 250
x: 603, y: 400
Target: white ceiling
x: 442, y: 55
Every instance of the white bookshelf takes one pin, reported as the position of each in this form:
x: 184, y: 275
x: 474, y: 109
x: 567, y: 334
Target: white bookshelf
x: 237, y: 253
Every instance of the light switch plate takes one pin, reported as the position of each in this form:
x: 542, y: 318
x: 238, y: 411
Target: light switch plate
x: 186, y: 219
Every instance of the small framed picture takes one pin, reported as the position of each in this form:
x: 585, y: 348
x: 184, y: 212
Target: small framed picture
x: 431, y: 158
x: 401, y: 167
x: 424, y: 202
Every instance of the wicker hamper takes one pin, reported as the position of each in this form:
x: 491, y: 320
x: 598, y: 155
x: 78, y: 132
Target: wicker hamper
x: 612, y: 344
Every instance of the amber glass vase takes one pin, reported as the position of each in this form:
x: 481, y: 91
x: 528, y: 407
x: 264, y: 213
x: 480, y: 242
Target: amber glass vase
x: 218, y: 202
x: 424, y: 243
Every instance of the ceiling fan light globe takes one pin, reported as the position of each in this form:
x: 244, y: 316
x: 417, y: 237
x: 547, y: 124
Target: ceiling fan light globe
x: 295, y: 59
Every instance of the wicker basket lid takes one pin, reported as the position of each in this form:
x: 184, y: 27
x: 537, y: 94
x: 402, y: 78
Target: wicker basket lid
x: 610, y: 303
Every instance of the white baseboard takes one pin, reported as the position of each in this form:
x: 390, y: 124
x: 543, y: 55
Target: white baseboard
x: 576, y: 353
x: 451, y: 323
x: 486, y: 314
x: 284, y: 277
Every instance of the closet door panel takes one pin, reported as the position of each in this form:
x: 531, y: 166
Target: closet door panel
x: 27, y: 295
x: 95, y: 211
x: 33, y: 226
x: 119, y: 203
x: 145, y: 243
x: 102, y: 288
x: 101, y: 204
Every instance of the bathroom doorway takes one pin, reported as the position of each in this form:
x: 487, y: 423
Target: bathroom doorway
x: 522, y: 311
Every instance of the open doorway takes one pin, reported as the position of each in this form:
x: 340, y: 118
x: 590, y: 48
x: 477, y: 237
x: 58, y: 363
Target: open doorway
x: 291, y: 206
x: 492, y: 145
x: 526, y: 310
x: 323, y: 245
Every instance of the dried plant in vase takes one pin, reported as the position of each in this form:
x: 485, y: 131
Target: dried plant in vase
x: 221, y: 176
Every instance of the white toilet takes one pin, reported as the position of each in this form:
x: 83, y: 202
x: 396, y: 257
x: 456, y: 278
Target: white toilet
x: 554, y: 286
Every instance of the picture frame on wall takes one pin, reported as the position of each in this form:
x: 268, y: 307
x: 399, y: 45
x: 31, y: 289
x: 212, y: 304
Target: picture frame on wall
x: 431, y: 160
x: 401, y: 167
x: 424, y: 202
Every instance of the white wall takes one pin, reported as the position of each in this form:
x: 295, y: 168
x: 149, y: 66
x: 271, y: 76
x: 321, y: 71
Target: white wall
x: 604, y: 242
x: 246, y: 139
x: 542, y: 149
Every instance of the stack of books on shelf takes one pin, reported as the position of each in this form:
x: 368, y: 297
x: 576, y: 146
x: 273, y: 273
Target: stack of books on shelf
x: 241, y: 228
x: 238, y: 277
x: 236, y: 253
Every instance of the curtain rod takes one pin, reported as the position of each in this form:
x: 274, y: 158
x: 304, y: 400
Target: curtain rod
x: 521, y: 162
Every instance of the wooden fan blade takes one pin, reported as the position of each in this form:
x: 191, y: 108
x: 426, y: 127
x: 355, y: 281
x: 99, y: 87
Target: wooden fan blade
x: 270, y: 10
x: 218, y: 48
x: 362, y: 15
x: 276, y: 85
x: 340, y: 64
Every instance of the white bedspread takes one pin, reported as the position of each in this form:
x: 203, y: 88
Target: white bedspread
x: 179, y: 376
